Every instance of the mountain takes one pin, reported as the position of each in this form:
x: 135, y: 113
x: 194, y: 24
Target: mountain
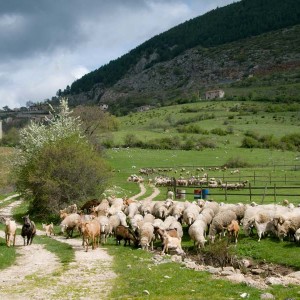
x: 229, y: 44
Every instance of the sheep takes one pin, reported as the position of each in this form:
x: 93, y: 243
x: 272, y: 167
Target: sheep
x: 297, y: 235
x: 177, y: 209
x: 171, y: 243
x: 233, y: 230
x: 191, y: 213
x: 102, y: 209
x: 132, y: 209
x: 28, y: 230
x: 91, y: 232
x: 170, y: 195
x: 114, y: 222
x: 148, y: 218
x: 206, y: 215
x: 104, y: 228
x: 208, y: 204
x: 71, y: 222
x: 220, y: 222
x: 116, y: 205
x: 146, y: 236
x: 160, y: 210
x: 10, y: 232
x: 71, y: 209
x: 289, y: 227
x: 239, y: 209
x: 126, y: 234
x: 197, y: 233
x: 136, y: 221
x: 49, y: 229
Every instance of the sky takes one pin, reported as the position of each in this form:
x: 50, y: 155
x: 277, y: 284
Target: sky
x: 46, y: 45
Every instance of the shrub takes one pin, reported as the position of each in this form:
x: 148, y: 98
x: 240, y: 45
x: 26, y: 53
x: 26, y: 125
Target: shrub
x: 236, y: 162
x: 219, y: 131
x: 57, y: 165
x: 249, y: 142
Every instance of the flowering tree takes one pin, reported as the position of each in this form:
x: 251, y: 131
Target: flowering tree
x: 56, y: 165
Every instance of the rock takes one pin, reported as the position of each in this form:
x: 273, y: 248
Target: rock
x: 257, y: 271
x: 227, y: 273
x: 236, y: 278
x: 267, y: 296
x: 246, y: 263
x: 191, y: 265
x: 229, y: 269
x: 273, y: 280
x: 213, y: 270
x: 295, y: 275
x: 176, y: 258
x: 244, y: 295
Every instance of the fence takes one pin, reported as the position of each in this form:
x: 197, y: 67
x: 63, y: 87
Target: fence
x: 249, y: 193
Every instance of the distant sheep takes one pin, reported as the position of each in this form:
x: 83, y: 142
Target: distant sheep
x: 70, y: 223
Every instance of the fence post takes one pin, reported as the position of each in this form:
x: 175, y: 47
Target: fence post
x: 254, y: 177
x: 250, y: 192
x: 263, y: 198
x: 274, y: 192
x: 226, y: 192
x: 270, y: 176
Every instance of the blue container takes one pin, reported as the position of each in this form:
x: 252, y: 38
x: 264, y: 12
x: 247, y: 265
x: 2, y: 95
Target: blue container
x: 205, y: 193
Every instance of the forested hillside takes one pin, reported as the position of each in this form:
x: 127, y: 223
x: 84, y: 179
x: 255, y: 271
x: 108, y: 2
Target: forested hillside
x: 223, y: 26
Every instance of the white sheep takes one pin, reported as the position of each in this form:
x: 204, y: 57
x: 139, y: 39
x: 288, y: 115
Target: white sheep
x: 69, y: 223
x: 104, y: 228
x: 197, y: 233
x: 146, y: 236
x: 191, y: 213
x: 220, y: 223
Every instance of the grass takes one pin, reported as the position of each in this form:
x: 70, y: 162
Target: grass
x: 138, y: 271
x: 8, y: 256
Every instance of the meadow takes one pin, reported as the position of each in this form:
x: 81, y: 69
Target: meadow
x: 262, y: 167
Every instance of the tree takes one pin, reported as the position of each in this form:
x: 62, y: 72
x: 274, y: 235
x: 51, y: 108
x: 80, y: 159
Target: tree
x: 57, y: 166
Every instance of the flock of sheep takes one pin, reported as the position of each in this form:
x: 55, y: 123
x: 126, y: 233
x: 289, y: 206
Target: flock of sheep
x: 143, y: 222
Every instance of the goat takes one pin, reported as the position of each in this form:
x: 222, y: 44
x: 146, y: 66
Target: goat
x: 233, y: 230
x: 49, y: 229
x: 10, y: 232
x: 28, y: 230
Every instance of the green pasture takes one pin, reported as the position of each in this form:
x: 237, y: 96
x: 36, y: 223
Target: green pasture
x: 273, y: 173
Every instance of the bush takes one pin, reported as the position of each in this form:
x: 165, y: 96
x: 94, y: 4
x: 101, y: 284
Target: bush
x: 62, y: 173
x: 56, y: 165
x: 219, y: 131
x: 236, y: 162
x: 249, y: 142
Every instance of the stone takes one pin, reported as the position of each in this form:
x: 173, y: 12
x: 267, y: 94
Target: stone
x: 267, y: 296
x: 227, y: 273
x: 273, y: 280
x: 295, y: 275
x: 229, y: 269
x: 257, y: 271
x: 240, y: 278
x: 213, y: 270
x: 176, y: 258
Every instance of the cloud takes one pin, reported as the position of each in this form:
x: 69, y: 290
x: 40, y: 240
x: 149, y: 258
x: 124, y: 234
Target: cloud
x: 46, y: 45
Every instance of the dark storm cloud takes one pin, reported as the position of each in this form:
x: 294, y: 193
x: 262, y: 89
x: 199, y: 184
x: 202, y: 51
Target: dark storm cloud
x: 47, y: 44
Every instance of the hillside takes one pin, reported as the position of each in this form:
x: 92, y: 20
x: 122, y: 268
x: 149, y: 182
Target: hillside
x: 225, y: 45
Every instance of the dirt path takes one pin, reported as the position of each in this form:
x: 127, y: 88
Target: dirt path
x: 39, y: 273
x: 156, y: 192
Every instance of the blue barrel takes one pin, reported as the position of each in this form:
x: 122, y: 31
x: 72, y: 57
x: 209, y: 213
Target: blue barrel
x: 205, y: 193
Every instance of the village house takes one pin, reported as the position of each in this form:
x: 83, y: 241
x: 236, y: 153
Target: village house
x: 214, y: 94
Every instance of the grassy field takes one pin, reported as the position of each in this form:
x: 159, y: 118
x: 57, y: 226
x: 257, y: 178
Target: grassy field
x: 271, y: 172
